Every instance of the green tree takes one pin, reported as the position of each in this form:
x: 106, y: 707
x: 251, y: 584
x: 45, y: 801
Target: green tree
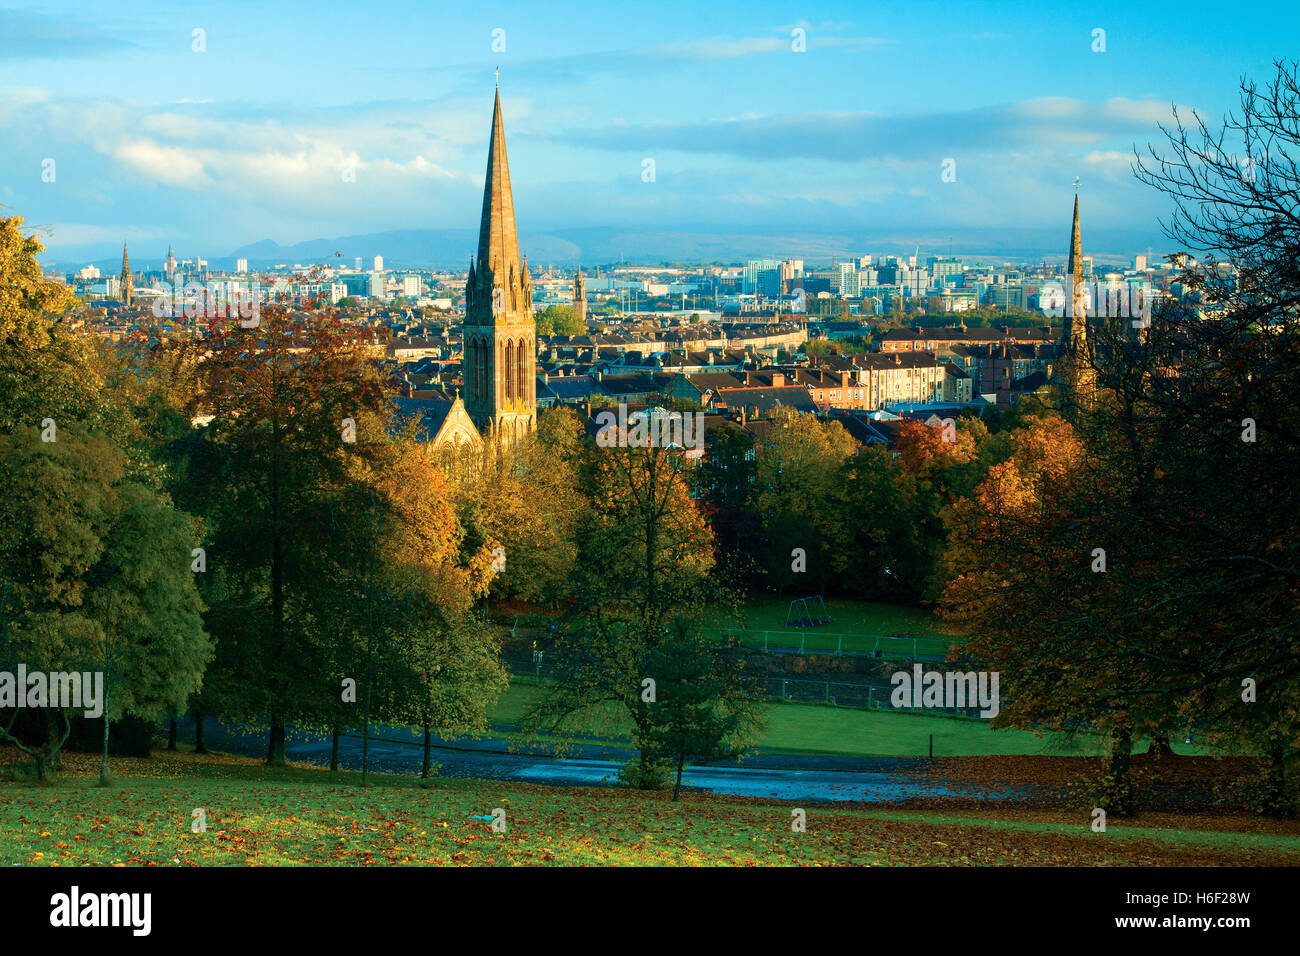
x: 153, y: 649
x: 94, y: 576
x: 706, y: 706
x: 644, y: 558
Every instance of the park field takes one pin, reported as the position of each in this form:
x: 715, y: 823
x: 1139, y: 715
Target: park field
x: 853, y: 626
x: 294, y: 816
x: 841, y: 731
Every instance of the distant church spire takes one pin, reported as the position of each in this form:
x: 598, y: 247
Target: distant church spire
x: 500, y: 358
x: 580, y: 296
x: 1074, y: 357
x: 127, y: 291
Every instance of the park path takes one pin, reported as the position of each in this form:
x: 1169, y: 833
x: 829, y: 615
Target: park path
x: 806, y: 778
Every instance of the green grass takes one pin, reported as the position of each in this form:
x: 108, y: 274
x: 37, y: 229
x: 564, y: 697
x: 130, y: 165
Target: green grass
x: 298, y: 816
x: 844, y: 731
x: 854, y: 626
x: 864, y: 626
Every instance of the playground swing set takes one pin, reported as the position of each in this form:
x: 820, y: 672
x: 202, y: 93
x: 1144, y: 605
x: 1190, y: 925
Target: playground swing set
x: 807, y: 612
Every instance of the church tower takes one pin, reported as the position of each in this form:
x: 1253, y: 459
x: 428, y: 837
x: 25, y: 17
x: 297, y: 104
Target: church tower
x: 580, y: 296
x: 1074, y: 358
x: 500, y: 350
x: 170, y: 266
x: 128, y: 292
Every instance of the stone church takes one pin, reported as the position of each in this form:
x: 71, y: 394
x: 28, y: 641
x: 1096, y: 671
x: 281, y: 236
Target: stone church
x: 500, y: 343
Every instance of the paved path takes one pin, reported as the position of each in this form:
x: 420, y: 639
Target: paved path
x: 784, y: 776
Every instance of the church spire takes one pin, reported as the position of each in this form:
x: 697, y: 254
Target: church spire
x: 1074, y: 357
x: 500, y: 345
x: 1076, y: 243
x: 127, y: 291
x: 498, y: 242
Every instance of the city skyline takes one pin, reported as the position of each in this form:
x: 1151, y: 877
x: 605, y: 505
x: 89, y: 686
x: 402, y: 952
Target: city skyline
x: 756, y: 148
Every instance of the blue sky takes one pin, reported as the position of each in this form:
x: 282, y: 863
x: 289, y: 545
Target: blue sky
x: 248, y: 140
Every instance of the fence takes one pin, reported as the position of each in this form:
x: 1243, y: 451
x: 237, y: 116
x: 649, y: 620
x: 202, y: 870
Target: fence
x: 831, y: 644
x: 871, y: 695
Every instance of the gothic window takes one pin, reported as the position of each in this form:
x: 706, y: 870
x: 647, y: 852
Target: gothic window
x: 523, y: 373
x: 510, y: 367
x: 497, y: 380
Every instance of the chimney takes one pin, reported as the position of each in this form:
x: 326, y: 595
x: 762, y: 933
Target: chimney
x: 778, y: 379
x: 742, y: 414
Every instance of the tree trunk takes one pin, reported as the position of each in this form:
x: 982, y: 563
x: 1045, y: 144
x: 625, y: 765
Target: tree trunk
x: 677, y: 787
x: 1273, y: 797
x: 103, y: 757
x: 171, y: 734
x: 199, y: 746
x: 1117, y: 792
x: 1160, y: 746
x: 365, y: 752
x: 424, y: 771
x: 275, y: 742
x: 334, y: 751
x: 51, y: 744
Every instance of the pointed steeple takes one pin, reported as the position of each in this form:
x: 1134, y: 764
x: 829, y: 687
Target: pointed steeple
x: 127, y: 291
x: 1074, y: 358
x: 1076, y: 243
x: 498, y: 242
x: 500, y: 344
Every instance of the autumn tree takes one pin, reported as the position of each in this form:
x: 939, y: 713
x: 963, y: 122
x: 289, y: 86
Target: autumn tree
x: 644, y: 557
x: 528, y: 503
x: 798, y: 462
x: 292, y: 401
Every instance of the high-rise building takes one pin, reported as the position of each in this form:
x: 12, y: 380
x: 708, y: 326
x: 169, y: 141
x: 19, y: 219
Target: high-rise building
x: 411, y: 287
x: 379, y: 264
x: 849, y: 286
x: 128, y: 290
x: 241, y: 266
x: 752, y: 269
x: 500, y: 360
x: 1139, y: 263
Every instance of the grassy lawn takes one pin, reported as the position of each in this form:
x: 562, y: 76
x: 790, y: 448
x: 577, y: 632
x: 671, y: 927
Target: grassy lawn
x: 854, y: 626
x: 844, y: 731
x: 259, y: 816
